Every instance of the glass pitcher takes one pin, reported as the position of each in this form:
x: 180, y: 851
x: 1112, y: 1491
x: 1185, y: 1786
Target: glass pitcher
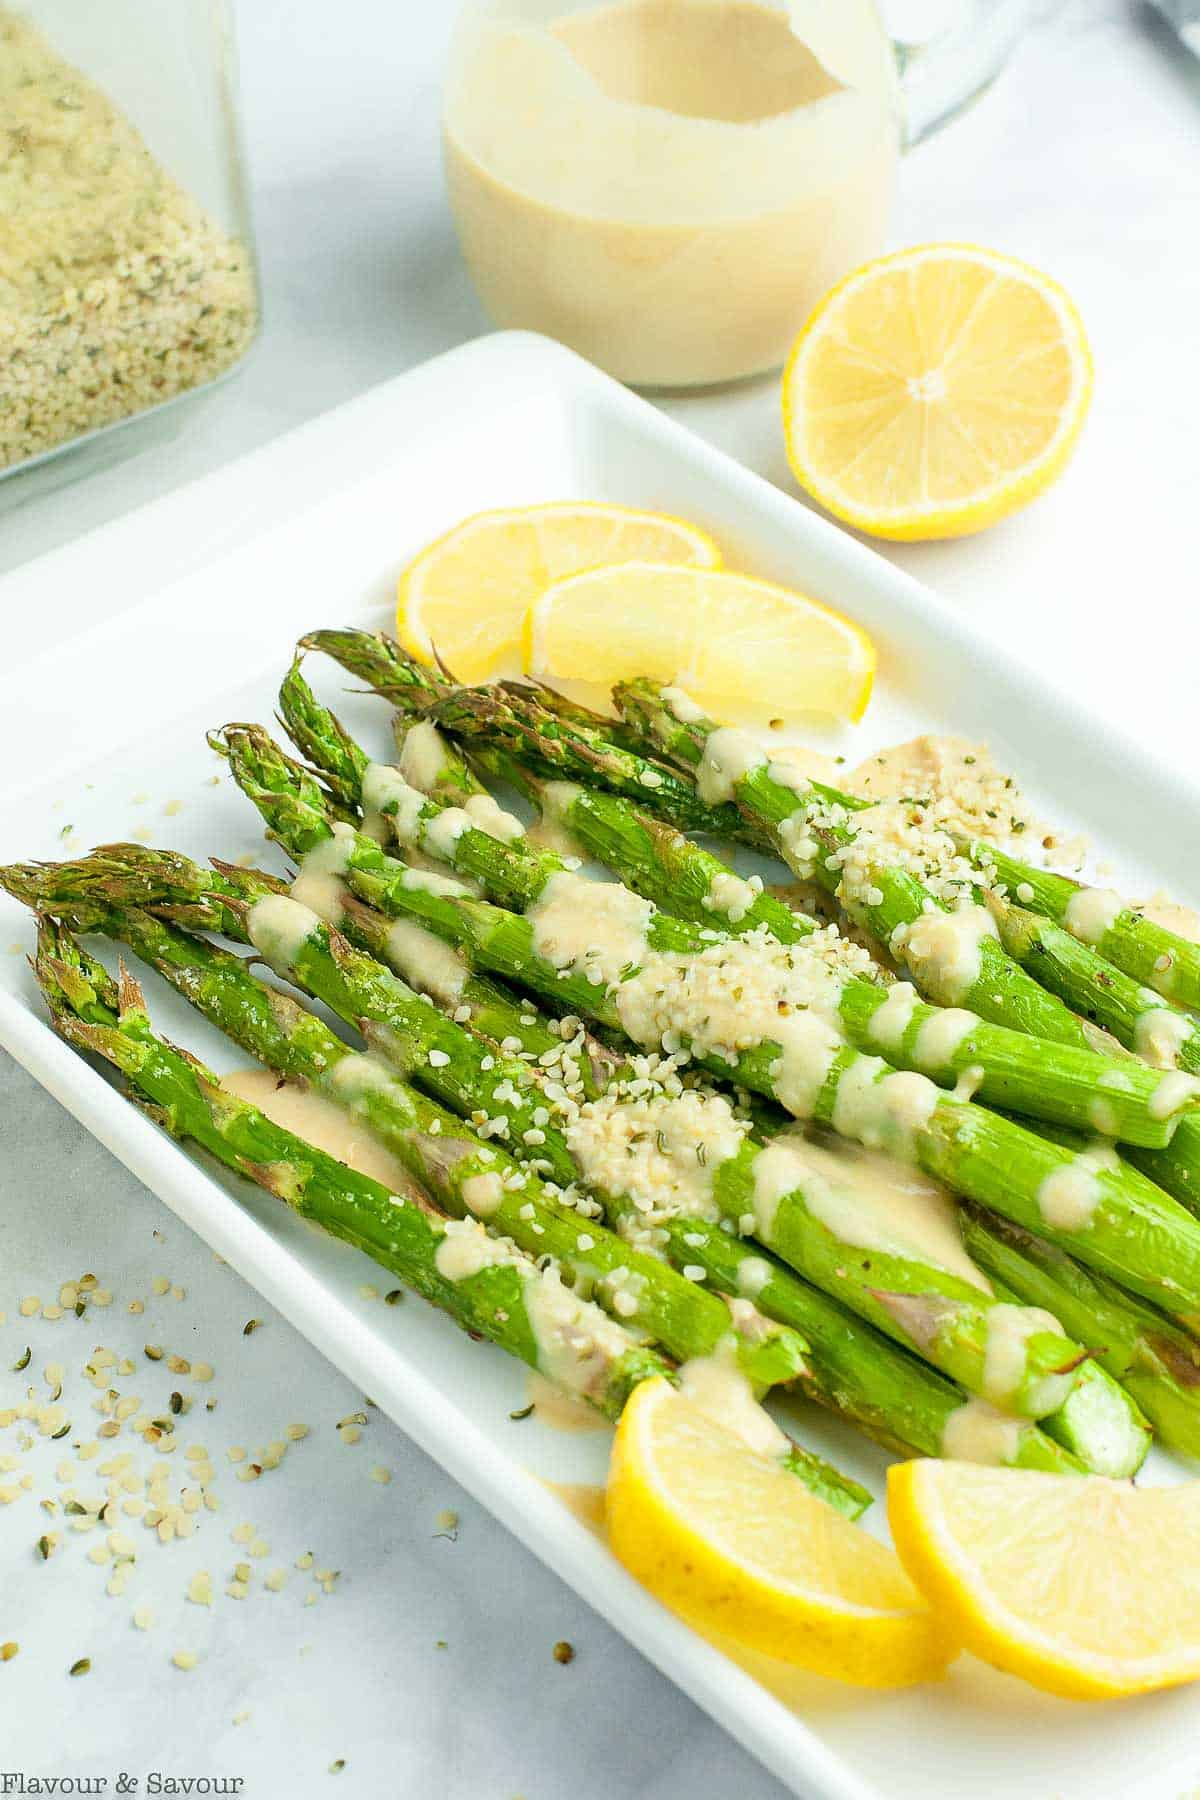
x: 669, y: 186
x: 127, y: 273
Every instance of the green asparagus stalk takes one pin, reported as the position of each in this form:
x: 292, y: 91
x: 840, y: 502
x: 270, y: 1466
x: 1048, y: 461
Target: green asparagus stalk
x: 1138, y: 946
x: 338, y: 758
x: 320, y: 737
x: 1175, y: 1169
x: 1137, y: 1016
x: 949, y: 1320
x: 386, y: 667
x: 491, y: 1290
x: 1100, y: 1423
x: 811, y: 826
x: 1156, y: 1362
x: 1006, y: 1068
x: 1128, y: 941
x: 553, y: 745
x: 454, y: 1064
x: 381, y: 662
x: 1134, y: 1015
x: 900, y: 1402
x: 377, y: 659
x: 489, y: 937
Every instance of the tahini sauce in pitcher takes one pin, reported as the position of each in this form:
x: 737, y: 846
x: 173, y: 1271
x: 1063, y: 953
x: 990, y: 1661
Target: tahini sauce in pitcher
x: 669, y: 186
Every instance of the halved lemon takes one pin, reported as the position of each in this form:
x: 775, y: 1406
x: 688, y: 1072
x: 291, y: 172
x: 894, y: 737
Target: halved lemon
x: 730, y: 640
x: 739, y: 1547
x: 1086, y: 1587
x: 467, y: 594
x: 935, y: 391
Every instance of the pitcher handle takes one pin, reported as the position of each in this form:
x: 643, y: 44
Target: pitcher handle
x: 942, y: 76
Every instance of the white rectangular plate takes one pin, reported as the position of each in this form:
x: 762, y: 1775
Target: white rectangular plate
x: 104, y: 733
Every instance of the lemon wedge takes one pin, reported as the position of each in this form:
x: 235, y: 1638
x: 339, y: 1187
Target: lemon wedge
x: 467, y: 593
x: 935, y: 391
x: 739, y: 1547
x: 1083, y: 1586
x: 733, y: 642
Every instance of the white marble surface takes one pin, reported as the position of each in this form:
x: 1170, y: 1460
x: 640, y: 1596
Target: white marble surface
x: 1085, y: 159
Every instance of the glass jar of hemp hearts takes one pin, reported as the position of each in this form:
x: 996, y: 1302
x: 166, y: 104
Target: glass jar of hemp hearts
x: 127, y: 274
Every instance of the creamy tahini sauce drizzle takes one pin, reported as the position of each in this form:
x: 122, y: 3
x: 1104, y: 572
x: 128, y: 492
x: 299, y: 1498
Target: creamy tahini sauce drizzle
x: 425, y: 961
x: 883, y: 1111
x: 864, y: 1199
x: 715, y: 1386
x: 279, y: 927
x: 728, y: 757
x: 753, y: 1275
x: 576, y: 1342
x: 1183, y: 921
x: 592, y: 928
x: 729, y: 997
x: 943, y: 950
x: 1172, y: 1093
x: 980, y: 1433
x: 1159, y: 1034
x: 682, y: 706
x: 421, y: 880
x: 466, y: 1250
x: 550, y: 830
x: 1069, y: 1195
x: 941, y: 1036
x: 357, y: 1074
x: 808, y: 1047
x: 1009, y: 1329
x: 318, y: 882
x: 1091, y: 913
x: 796, y: 767
x: 797, y: 846
x: 488, y: 815
x: 482, y: 1194
x: 737, y: 994
x: 584, y: 1499
x: 890, y: 1021
x: 563, y: 1412
x: 440, y: 834
x: 384, y: 790
x: 422, y: 755
x: 321, y: 1122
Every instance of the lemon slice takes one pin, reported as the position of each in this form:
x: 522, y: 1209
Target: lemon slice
x: 468, y: 592
x: 739, y: 1547
x: 731, y: 641
x: 1084, y: 1586
x: 935, y: 391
